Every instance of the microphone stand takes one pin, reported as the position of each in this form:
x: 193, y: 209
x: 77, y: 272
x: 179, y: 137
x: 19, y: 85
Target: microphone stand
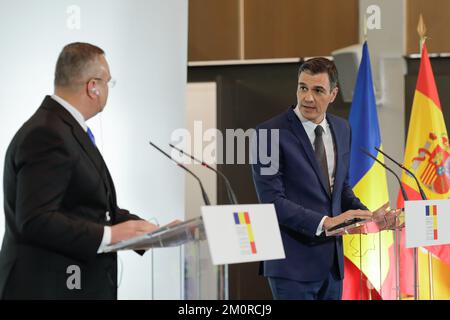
x: 230, y: 193
x: 222, y: 269
x: 204, y: 195
x: 396, y: 230
x: 424, y: 197
x: 422, y: 193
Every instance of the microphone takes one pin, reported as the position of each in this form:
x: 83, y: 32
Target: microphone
x: 405, y: 196
x: 230, y: 193
x: 356, y: 220
x: 205, y: 196
x: 344, y: 224
x: 422, y: 193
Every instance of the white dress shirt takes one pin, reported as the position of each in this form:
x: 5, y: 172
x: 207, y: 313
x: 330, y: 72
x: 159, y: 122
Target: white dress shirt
x: 106, y: 239
x: 327, y: 137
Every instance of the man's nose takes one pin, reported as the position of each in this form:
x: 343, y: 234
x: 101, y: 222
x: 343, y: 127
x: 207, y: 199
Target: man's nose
x: 308, y: 96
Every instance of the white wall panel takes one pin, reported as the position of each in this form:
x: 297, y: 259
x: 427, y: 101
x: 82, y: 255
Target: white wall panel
x: 146, y: 46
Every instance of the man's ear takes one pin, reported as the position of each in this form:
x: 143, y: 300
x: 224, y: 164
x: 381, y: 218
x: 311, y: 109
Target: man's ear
x: 92, y: 91
x: 334, y: 93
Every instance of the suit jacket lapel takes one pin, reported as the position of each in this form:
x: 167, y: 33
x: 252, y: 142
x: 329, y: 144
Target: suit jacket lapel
x: 83, y: 139
x: 300, y: 133
x: 338, y: 161
x: 96, y: 157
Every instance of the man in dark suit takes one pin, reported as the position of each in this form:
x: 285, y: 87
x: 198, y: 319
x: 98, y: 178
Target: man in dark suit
x: 310, y: 189
x: 59, y: 198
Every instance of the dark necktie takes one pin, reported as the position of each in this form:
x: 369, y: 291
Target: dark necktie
x: 321, y: 156
x: 91, y: 135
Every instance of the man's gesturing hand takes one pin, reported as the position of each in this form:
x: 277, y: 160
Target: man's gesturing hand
x: 330, y: 222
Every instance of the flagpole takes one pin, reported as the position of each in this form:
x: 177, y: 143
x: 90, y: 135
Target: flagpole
x: 421, y: 30
x: 430, y: 275
x: 360, y: 269
x: 379, y: 232
x: 380, y: 266
x: 397, y: 257
x: 361, y: 284
x: 363, y: 105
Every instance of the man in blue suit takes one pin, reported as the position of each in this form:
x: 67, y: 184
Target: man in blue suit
x: 310, y: 189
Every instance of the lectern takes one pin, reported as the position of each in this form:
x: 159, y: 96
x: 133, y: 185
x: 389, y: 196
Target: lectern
x: 190, y: 237
x: 170, y: 236
x: 224, y: 234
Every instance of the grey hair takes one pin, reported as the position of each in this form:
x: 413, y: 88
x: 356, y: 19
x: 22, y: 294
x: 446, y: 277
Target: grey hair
x: 74, y: 63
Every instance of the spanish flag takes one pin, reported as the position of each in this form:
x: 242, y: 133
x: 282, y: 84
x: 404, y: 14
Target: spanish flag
x: 427, y: 155
x: 369, y: 269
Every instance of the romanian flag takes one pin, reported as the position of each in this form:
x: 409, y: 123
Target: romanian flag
x: 369, y: 268
x: 431, y: 213
x: 243, y: 219
x: 427, y: 155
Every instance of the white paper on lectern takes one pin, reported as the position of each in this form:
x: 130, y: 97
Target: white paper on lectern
x: 229, y: 242
x: 420, y: 228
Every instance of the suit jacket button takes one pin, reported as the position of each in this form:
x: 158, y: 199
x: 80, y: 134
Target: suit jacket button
x: 108, y: 218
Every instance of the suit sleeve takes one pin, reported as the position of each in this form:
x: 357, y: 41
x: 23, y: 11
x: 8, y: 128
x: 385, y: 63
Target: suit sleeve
x: 44, y: 168
x: 348, y: 199
x: 270, y: 189
x: 123, y: 215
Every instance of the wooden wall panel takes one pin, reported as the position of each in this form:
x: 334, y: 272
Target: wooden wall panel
x: 436, y: 15
x: 213, y: 30
x: 299, y: 28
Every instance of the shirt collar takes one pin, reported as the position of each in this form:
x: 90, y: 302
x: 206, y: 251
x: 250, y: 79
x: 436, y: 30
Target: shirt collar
x: 72, y: 110
x: 309, y: 123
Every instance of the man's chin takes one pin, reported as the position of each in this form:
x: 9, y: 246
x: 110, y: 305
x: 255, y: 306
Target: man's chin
x: 317, y: 118
x: 310, y: 115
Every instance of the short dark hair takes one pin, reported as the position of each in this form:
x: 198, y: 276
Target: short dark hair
x: 74, y: 61
x: 320, y: 65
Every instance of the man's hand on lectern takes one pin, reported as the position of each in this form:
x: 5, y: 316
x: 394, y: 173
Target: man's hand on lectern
x: 387, y: 218
x: 130, y: 229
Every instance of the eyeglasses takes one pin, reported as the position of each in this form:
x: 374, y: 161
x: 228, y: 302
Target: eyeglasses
x: 111, y: 83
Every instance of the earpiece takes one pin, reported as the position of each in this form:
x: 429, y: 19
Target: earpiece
x: 95, y: 91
